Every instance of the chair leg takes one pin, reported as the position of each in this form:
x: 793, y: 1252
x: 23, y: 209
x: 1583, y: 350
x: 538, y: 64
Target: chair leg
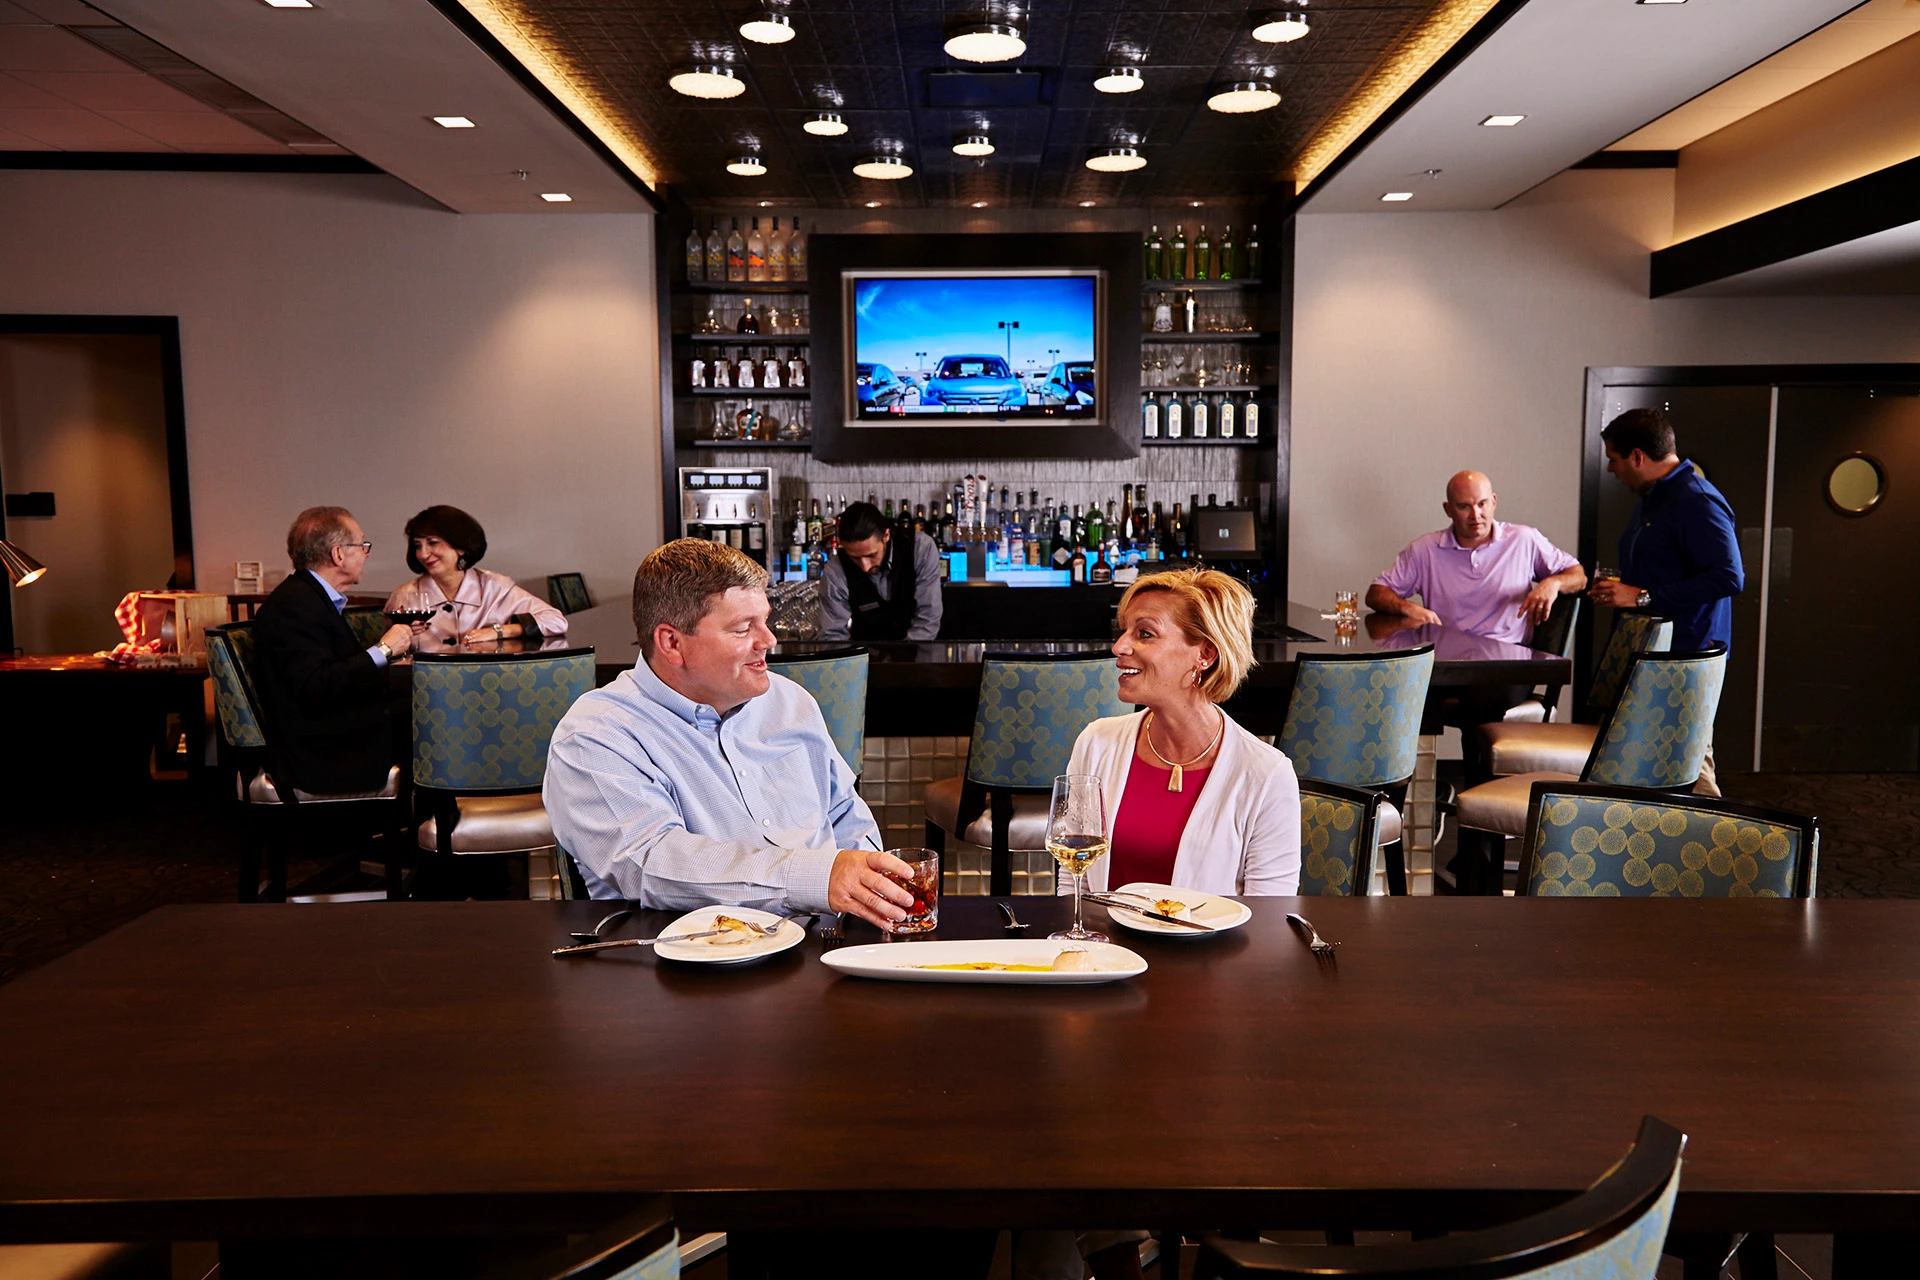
x: 1757, y: 1258
x: 936, y: 838
x: 396, y: 883
x: 1000, y: 873
x: 1396, y: 859
x: 249, y: 856
x: 277, y: 862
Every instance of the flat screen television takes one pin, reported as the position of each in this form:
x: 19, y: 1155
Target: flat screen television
x: 948, y: 347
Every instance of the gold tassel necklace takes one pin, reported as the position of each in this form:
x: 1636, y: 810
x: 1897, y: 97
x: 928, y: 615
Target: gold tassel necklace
x: 1179, y: 770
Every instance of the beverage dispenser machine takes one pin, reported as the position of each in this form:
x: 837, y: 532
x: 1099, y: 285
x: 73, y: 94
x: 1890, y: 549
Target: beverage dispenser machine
x: 728, y: 504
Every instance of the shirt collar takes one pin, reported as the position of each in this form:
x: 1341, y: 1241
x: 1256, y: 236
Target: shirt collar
x: 1685, y: 468
x: 339, y: 601
x: 656, y: 690
x: 1452, y: 543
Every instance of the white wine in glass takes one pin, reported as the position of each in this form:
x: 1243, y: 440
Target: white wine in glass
x: 1077, y: 838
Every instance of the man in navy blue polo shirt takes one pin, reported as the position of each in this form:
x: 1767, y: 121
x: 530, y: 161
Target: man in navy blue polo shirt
x: 1680, y: 554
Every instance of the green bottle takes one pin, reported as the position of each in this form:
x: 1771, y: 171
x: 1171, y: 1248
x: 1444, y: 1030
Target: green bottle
x: 1253, y: 252
x: 1156, y: 255
x: 1224, y: 258
x: 1203, y: 256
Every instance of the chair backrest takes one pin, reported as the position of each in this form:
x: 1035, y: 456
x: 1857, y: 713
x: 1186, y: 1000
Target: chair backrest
x: 1355, y: 719
x: 643, y: 1244
x: 233, y: 697
x: 1614, y: 1229
x: 1338, y: 830
x: 1585, y: 840
x: 482, y: 722
x: 1658, y: 733
x: 567, y: 592
x: 367, y: 625
x: 838, y: 682
x: 1632, y: 633
x: 1556, y: 634
x: 1031, y: 709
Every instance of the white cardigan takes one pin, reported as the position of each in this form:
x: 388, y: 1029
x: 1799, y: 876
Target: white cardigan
x: 1243, y: 836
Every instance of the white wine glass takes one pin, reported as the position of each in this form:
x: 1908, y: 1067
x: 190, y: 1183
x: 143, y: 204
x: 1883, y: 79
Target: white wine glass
x: 1077, y: 838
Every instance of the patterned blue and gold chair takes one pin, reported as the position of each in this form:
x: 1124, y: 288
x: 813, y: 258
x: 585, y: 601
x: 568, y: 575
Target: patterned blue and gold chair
x: 1339, y: 839
x: 1613, y: 1230
x: 481, y: 727
x: 1654, y: 739
x: 838, y: 682
x: 567, y: 592
x: 1354, y: 719
x: 1513, y: 746
x: 1032, y: 708
x: 1589, y: 840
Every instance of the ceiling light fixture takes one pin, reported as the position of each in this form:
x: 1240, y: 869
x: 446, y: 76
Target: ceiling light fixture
x: 766, y: 204
x: 1120, y: 80
x: 1394, y: 197
x: 708, y: 80
x: 289, y: 4
x: 886, y: 168
x: 986, y: 42
x: 1244, y: 96
x: 1280, y: 28
x: 974, y: 144
x: 979, y: 204
x: 556, y: 197
x: 827, y: 124
x: 453, y: 122
x: 873, y: 204
x: 1086, y: 204
x: 1659, y: 1
x: 746, y: 166
x: 1116, y: 160
x: 1501, y: 122
x: 768, y: 28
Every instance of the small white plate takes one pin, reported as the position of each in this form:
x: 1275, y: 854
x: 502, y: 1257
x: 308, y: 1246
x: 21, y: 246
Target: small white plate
x: 1209, y: 909
x: 904, y: 961
x: 705, y: 950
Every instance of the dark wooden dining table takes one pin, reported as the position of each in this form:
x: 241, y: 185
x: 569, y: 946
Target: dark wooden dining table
x: 229, y: 1072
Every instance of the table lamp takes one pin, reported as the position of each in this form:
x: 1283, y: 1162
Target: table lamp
x: 21, y: 567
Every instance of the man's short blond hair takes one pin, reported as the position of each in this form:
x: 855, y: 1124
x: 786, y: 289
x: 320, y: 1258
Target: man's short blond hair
x: 1213, y: 608
x: 677, y: 582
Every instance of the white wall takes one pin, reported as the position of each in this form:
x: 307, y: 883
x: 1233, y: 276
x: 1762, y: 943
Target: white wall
x: 1429, y: 342
x: 346, y: 341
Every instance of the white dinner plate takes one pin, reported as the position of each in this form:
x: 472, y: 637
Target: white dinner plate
x: 1210, y: 909
x: 720, y: 950
x: 905, y: 961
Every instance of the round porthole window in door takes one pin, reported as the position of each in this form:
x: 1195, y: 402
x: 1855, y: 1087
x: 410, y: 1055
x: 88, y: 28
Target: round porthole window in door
x: 1856, y: 484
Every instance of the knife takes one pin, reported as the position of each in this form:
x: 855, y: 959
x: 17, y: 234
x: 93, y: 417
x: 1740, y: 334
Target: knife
x: 635, y: 942
x: 1111, y: 903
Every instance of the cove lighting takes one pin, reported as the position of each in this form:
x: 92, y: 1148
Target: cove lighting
x: 1659, y: 1
x: 1501, y: 122
x: 974, y: 144
x: 873, y: 204
x: 453, y: 122
x: 1086, y: 204
x: 1119, y: 80
x: 708, y: 80
x: 556, y: 197
x: 827, y: 124
x: 979, y: 204
x: 768, y: 28
x: 884, y: 168
x: 1280, y: 28
x: 987, y: 42
x: 1116, y: 160
x: 289, y: 4
x: 1244, y: 96
x: 747, y: 166
x: 1394, y: 197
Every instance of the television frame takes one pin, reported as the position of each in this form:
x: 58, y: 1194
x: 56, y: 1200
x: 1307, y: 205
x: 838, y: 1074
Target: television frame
x: 1113, y: 257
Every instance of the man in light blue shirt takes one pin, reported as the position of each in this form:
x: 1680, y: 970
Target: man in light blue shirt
x: 701, y: 777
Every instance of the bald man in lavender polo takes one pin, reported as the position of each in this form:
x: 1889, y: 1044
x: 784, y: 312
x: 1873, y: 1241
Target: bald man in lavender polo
x: 1490, y: 577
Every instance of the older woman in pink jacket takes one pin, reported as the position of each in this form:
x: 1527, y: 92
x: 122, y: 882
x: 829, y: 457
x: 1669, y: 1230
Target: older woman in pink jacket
x: 468, y: 604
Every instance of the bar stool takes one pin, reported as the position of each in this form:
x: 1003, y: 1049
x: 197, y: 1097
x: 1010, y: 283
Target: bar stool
x: 1354, y: 719
x: 1032, y: 708
x: 1339, y: 839
x: 1511, y: 746
x: 838, y: 682
x: 1654, y: 740
x: 482, y: 723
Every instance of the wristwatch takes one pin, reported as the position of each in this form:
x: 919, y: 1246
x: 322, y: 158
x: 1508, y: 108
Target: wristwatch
x: 1645, y: 599
x: 499, y: 632
x: 383, y: 647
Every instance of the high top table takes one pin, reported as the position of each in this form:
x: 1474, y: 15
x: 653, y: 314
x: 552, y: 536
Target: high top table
x: 226, y: 1072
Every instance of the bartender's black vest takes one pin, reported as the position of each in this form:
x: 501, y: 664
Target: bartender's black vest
x: 874, y: 618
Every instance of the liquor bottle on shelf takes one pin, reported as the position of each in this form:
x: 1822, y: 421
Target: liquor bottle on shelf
x: 723, y: 372
x: 903, y: 523
x: 797, y: 368
x: 749, y: 322
x: 948, y: 526
x: 743, y: 373
x: 769, y: 370
x: 797, y: 254
x: 1227, y: 417
x: 1203, y: 256
x: 1189, y: 314
x: 697, y: 372
x: 777, y: 254
x: 798, y: 534
x: 1077, y: 527
x: 1062, y: 551
x: 887, y: 511
x: 756, y: 531
x: 1077, y: 566
x: 696, y: 257
x: 919, y: 517
x: 1250, y: 419
x: 1177, y: 533
x: 1017, y: 539
x: 1253, y: 252
x: 1224, y: 265
x: 736, y: 254
x: 756, y: 253
x: 1156, y: 255
x: 1149, y: 417
x: 815, y: 525
x: 1125, y: 528
x: 1213, y: 502
x: 1096, y: 526
x: 1162, y: 314
x: 1175, y: 418
x: 716, y: 253
x: 1177, y: 264
x: 1200, y: 417
x: 1100, y: 567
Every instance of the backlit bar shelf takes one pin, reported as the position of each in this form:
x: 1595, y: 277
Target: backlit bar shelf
x: 1198, y: 286
x: 1211, y: 442
x: 753, y: 444
x: 743, y: 286
x: 754, y: 393
x: 736, y: 339
x: 1149, y: 338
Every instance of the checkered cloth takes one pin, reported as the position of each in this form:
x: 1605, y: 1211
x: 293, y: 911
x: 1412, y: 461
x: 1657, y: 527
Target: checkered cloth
x: 127, y: 615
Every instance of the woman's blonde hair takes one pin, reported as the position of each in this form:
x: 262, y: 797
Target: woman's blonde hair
x: 1210, y: 608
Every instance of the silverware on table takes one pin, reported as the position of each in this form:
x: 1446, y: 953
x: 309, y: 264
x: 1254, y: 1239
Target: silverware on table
x: 1108, y: 901
x: 1013, y: 924
x: 600, y: 930
x: 834, y: 935
x: 761, y: 930
x: 1315, y: 943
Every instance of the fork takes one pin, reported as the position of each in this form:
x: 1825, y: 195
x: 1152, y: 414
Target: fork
x: 760, y: 930
x: 600, y: 930
x: 1315, y: 943
x: 1013, y: 924
x: 832, y: 935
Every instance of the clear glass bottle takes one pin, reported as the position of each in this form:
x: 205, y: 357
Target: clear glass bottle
x: 1162, y: 314
x: 1156, y: 255
x: 777, y: 253
x: 696, y: 257
x: 1189, y: 313
x: 736, y: 254
x: 1226, y: 416
x: 1203, y: 256
x: 797, y: 254
x: 697, y: 371
x: 770, y: 369
x: 1174, y: 416
x: 756, y: 253
x: 797, y: 368
x: 716, y: 252
x: 1250, y: 419
x: 1177, y: 264
x: 1149, y: 417
x: 723, y: 372
x: 1200, y: 417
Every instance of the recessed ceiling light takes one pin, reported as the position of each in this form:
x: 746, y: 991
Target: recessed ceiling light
x: 1501, y: 122
x: 766, y: 204
x: 708, y: 80
x: 1659, y: 1
x: 1086, y: 204
x: 1280, y: 28
x: 1116, y: 160
x: 289, y: 4
x: 986, y: 42
x: 979, y: 204
x: 827, y: 124
x: 556, y: 197
x: 974, y: 144
x: 746, y: 166
x: 768, y: 28
x: 1244, y: 96
x: 884, y: 167
x: 873, y: 204
x: 1194, y: 204
x: 1119, y: 80
x: 1394, y: 197
x: 453, y: 122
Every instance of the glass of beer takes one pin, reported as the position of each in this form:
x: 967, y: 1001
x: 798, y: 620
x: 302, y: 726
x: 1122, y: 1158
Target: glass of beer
x: 924, y: 884
x: 1077, y: 838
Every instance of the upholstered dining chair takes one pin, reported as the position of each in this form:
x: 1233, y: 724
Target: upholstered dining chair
x: 1614, y: 1229
x: 1655, y: 739
x: 1032, y: 707
x: 482, y: 723
x: 367, y: 625
x: 254, y: 766
x: 1513, y: 745
x: 1354, y: 719
x: 838, y: 682
x: 1339, y: 839
x: 567, y: 592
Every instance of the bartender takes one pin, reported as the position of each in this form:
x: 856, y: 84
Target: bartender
x: 876, y: 592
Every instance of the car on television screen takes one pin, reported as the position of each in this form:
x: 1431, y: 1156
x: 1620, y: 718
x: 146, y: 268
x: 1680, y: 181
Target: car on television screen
x: 878, y: 386
x: 1070, y: 382
x: 974, y: 382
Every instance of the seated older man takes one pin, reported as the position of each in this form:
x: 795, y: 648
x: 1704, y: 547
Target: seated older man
x: 1493, y: 578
